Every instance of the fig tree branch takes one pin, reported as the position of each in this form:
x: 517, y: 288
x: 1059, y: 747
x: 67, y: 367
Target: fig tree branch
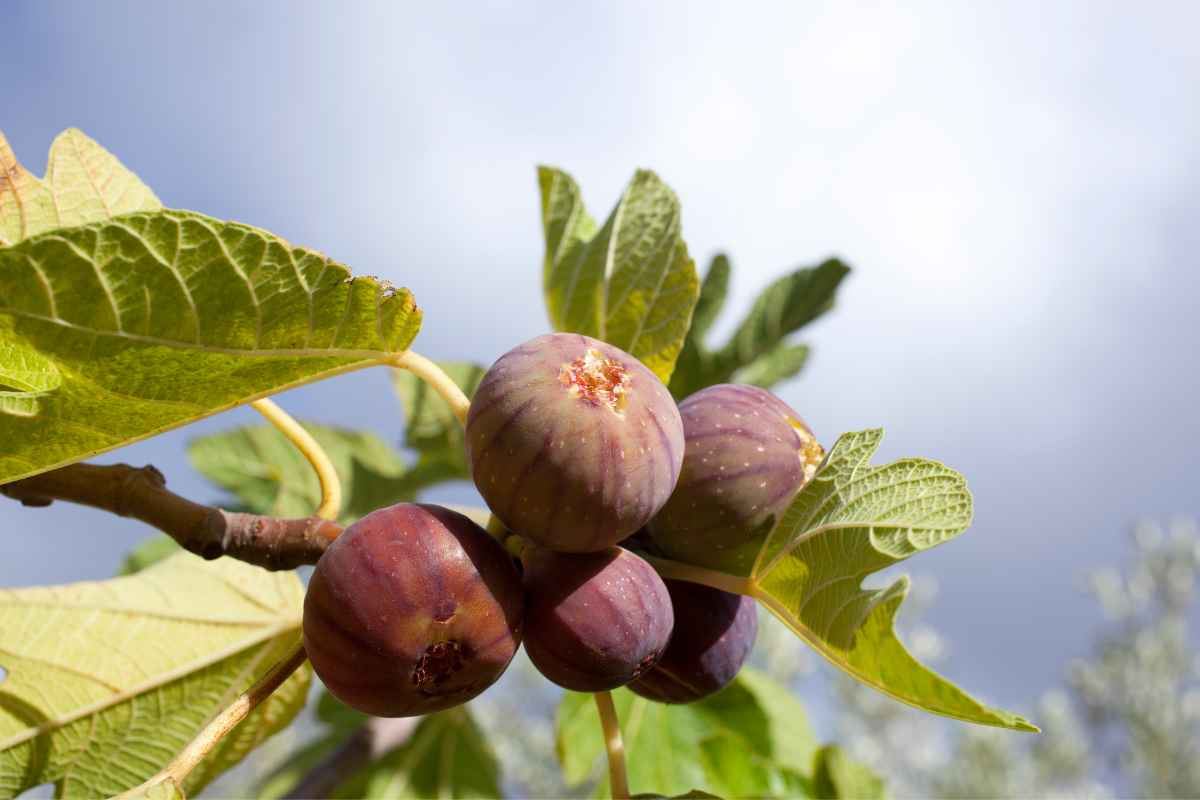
x: 141, y: 493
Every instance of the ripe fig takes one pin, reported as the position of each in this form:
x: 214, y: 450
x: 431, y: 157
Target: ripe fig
x: 714, y: 633
x: 594, y: 621
x: 573, y: 443
x: 413, y: 609
x: 746, y: 455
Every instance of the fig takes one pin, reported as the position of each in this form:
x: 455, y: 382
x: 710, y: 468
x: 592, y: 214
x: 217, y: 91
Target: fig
x: 594, y: 621
x: 573, y: 443
x: 746, y: 455
x: 714, y: 633
x: 411, y: 610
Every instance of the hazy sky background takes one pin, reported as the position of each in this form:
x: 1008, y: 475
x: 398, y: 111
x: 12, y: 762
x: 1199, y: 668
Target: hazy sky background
x: 1016, y: 185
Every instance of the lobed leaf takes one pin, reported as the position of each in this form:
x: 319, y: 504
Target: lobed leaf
x: 750, y: 739
x: 107, y: 681
x: 632, y: 283
x: 850, y: 521
x: 115, y: 326
x: 84, y: 183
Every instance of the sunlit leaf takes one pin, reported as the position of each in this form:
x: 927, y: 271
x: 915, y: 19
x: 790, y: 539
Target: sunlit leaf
x: 115, y: 329
x: 84, y: 183
x: 632, y: 282
x: 850, y: 521
x: 148, y: 553
x: 107, y: 681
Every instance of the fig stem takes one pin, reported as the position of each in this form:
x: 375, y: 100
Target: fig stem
x: 212, y: 733
x: 677, y: 570
x: 617, y: 779
x: 331, y: 485
x: 437, y: 379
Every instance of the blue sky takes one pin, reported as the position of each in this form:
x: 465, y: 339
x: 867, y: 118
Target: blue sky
x: 1016, y: 185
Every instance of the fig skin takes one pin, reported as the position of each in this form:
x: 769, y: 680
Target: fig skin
x: 412, y: 609
x: 573, y: 443
x: 746, y: 455
x: 594, y: 621
x: 713, y: 636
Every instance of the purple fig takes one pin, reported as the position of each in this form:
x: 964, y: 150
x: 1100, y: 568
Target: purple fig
x: 413, y: 609
x: 714, y: 633
x: 573, y: 443
x: 594, y: 621
x: 746, y: 455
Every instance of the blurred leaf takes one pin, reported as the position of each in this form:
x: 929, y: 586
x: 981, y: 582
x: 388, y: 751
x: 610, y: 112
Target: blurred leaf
x: 835, y: 776
x: 147, y: 553
x: 784, y: 362
x: 336, y: 714
x: 281, y: 780
x: 116, y: 328
x: 447, y: 756
x: 758, y: 352
x: 750, y: 739
x: 431, y: 429
x: 852, y: 520
x: 162, y: 789
x: 108, y: 681
x: 84, y: 183
x: 268, y: 475
x: 632, y: 283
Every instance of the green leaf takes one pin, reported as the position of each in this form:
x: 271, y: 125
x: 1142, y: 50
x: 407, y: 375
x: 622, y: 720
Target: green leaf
x: 268, y: 475
x: 107, y: 681
x: 785, y: 361
x: 431, y: 429
x: 165, y: 788
x: 758, y: 351
x: 836, y: 776
x: 84, y: 183
x: 282, y: 780
x: 447, y: 756
x: 632, y: 283
x: 852, y: 520
x: 750, y: 739
x: 157, y: 320
x: 148, y: 553
x: 712, y: 296
x: 785, y: 306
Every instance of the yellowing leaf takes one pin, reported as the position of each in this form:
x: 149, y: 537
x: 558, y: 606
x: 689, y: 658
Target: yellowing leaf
x: 632, y: 283
x: 107, y: 681
x: 156, y: 320
x: 84, y: 183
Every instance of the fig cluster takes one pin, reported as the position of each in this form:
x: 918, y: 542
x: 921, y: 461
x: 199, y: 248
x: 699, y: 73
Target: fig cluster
x: 581, y: 452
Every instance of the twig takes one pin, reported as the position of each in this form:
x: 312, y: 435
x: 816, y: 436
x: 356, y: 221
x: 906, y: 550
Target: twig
x: 371, y: 740
x: 617, y: 779
x: 209, y: 532
x: 331, y: 486
x: 226, y: 721
x: 437, y: 379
